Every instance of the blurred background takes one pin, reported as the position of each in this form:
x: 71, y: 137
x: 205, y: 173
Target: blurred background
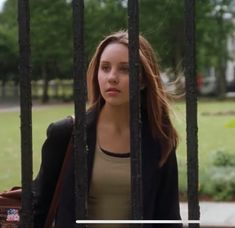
x: 162, y: 23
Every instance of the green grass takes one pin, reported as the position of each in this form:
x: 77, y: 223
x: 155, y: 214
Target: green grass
x: 215, y: 132
x: 10, y: 172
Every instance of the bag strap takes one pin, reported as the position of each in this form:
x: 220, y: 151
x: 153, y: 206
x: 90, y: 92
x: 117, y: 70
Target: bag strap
x: 55, y: 200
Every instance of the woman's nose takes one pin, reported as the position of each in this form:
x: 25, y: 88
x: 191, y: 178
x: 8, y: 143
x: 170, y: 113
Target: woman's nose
x: 113, y: 77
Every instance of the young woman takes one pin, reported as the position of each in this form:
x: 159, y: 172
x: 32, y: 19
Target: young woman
x: 108, y: 141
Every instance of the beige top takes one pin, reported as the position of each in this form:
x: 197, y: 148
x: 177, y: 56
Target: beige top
x: 109, y: 196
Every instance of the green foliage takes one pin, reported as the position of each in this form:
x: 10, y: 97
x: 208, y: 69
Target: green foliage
x: 223, y: 158
x: 212, y: 31
x: 163, y: 25
x: 219, y: 183
x: 51, y: 33
x: 8, y: 42
x: 219, y: 178
x: 101, y: 18
x: 8, y: 54
x: 162, y: 22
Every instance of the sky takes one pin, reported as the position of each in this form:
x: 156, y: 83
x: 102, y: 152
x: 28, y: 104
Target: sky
x: 1, y: 4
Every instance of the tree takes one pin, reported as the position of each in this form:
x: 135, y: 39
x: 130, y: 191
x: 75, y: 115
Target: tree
x: 51, y: 40
x: 8, y: 43
x: 8, y: 54
x: 213, y: 30
x: 101, y: 18
x: 162, y: 22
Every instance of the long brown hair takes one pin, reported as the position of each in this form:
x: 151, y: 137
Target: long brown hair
x: 157, y: 102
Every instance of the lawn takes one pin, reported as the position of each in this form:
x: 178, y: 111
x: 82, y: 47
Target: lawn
x: 10, y: 173
x: 215, y: 132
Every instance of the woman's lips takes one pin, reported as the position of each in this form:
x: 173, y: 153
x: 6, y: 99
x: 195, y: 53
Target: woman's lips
x: 112, y: 91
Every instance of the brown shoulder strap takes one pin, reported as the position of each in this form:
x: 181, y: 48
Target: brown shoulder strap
x: 56, y: 195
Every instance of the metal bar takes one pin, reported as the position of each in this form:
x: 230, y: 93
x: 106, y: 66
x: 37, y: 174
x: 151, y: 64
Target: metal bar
x: 135, y: 123
x: 191, y: 112
x: 80, y: 152
x: 25, y: 112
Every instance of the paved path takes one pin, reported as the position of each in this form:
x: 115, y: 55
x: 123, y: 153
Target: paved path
x: 213, y: 214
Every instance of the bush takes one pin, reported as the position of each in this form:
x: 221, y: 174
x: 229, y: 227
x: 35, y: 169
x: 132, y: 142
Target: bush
x: 218, y: 180
x: 220, y: 183
x: 223, y: 158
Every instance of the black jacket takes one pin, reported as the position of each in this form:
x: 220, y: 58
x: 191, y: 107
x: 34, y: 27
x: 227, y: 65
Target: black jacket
x: 160, y: 185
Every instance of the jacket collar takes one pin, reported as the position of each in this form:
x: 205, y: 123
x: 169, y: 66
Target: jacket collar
x: 91, y: 118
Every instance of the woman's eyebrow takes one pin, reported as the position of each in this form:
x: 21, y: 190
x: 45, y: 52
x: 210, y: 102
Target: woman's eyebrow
x: 107, y: 62
x: 104, y: 62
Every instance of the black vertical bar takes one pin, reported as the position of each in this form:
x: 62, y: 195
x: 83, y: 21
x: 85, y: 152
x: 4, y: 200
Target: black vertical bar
x: 25, y: 112
x: 135, y: 123
x: 80, y: 153
x: 191, y: 112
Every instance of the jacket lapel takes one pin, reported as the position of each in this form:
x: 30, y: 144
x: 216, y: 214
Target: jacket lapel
x: 92, y: 117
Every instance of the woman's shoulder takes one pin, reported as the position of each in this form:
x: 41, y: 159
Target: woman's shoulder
x: 92, y: 116
x: 60, y: 128
x: 64, y: 127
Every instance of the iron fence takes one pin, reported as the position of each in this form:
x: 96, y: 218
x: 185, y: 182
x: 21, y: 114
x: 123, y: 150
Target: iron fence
x: 80, y: 118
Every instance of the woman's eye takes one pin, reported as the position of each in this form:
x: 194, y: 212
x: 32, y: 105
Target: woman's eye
x: 124, y: 69
x: 105, y: 68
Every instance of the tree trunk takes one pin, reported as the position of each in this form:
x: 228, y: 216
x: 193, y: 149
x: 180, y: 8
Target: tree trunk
x: 45, y: 97
x: 177, y: 57
x: 221, y: 78
x: 3, y: 89
x: 221, y: 83
x: 16, y: 89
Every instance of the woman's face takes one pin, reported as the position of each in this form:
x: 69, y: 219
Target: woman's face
x: 113, y: 74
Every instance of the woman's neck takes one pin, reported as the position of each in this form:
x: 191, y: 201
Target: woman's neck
x: 115, y: 116
x: 113, y: 131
